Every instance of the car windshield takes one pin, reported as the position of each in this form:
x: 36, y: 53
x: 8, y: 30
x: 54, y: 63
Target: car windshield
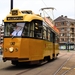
x: 13, y: 29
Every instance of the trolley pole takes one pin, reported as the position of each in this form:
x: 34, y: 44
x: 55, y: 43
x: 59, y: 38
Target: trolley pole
x: 11, y: 5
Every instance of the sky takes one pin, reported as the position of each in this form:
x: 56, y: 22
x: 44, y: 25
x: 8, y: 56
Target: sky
x: 62, y: 7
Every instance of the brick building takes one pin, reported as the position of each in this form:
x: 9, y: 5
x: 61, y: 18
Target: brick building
x: 66, y: 27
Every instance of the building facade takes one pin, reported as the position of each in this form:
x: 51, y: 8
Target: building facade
x: 1, y: 37
x: 1, y: 33
x: 66, y: 28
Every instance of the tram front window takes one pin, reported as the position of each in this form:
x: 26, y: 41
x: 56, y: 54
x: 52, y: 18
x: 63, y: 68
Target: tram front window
x: 13, y: 29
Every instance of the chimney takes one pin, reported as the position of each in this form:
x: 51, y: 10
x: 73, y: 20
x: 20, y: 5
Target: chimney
x: 61, y: 15
x: 65, y: 16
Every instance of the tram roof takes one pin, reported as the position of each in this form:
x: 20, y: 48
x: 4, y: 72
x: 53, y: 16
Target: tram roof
x: 28, y: 15
x: 52, y: 26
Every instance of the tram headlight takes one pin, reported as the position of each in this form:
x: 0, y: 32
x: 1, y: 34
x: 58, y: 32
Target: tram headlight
x: 11, y: 49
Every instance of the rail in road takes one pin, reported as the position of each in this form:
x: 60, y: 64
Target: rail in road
x: 65, y: 58
x: 68, y: 67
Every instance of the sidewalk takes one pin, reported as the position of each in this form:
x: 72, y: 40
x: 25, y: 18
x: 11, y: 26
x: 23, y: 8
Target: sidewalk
x: 1, y: 56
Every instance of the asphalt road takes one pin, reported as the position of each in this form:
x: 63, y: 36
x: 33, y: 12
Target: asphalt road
x: 6, y: 68
x: 0, y: 57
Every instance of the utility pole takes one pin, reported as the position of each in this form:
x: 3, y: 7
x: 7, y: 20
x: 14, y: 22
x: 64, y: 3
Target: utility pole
x: 11, y: 5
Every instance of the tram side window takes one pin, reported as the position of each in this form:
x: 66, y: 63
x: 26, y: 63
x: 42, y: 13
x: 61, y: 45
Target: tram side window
x: 56, y: 39
x: 44, y: 32
x: 26, y: 31
x: 32, y: 29
x: 51, y: 37
x: 48, y: 34
x: 8, y: 29
x: 38, y: 29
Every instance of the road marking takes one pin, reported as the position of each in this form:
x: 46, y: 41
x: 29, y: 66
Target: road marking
x: 67, y: 68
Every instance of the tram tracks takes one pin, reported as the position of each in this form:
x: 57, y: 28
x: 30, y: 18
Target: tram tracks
x: 69, y: 69
x: 62, y: 55
x: 44, y: 69
x: 65, y: 67
x: 23, y: 72
x: 31, y: 69
x: 42, y: 66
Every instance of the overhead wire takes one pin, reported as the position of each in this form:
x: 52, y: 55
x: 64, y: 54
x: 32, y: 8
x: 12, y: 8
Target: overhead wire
x: 46, y: 6
x: 49, y: 10
x: 44, y: 3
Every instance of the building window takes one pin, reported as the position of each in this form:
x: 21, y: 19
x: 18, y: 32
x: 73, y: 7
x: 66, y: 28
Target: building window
x: 68, y: 34
x: 62, y: 39
x: 62, y: 29
x: 72, y: 39
x: 68, y: 29
x: 68, y: 23
x: 62, y: 34
x: 72, y: 29
x: 56, y: 24
x: 62, y: 23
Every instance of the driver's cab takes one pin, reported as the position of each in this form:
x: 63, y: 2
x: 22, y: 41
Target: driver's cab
x: 25, y: 29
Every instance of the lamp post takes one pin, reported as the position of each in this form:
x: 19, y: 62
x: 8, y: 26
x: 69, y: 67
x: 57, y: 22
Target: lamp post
x: 68, y: 41
x: 68, y: 34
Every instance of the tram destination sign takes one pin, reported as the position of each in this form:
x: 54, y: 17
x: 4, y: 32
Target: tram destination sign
x: 15, y: 18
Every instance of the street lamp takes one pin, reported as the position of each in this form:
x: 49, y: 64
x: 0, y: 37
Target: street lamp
x: 68, y: 24
x: 68, y: 42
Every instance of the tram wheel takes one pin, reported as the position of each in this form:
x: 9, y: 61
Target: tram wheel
x: 14, y: 62
x: 48, y: 59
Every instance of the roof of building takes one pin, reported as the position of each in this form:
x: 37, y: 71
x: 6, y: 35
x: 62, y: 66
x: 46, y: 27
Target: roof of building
x: 64, y: 18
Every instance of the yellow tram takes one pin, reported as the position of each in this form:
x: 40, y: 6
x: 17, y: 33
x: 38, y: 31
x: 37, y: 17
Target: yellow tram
x: 37, y: 38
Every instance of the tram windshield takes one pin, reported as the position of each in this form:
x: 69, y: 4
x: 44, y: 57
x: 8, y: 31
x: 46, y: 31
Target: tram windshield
x: 13, y: 29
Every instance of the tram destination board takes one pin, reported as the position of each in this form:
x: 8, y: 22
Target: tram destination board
x: 15, y: 18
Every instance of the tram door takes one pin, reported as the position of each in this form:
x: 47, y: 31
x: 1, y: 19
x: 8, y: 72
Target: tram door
x: 53, y: 40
